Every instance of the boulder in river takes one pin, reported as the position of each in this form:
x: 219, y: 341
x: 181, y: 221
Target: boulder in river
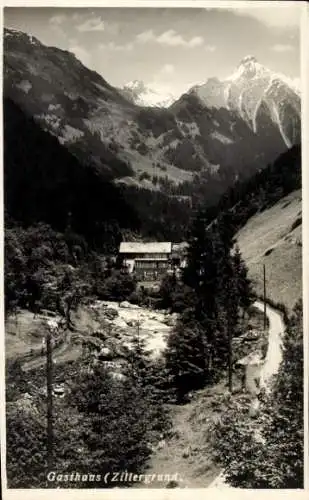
x: 125, y: 305
x: 110, y: 313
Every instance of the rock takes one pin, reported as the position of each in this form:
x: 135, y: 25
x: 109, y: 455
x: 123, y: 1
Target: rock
x: 52, y: 323
x: 161, y: 444
x: 132, y: 323
x: 96, y: 305
x: 169, y: 321
x: 100, y: 334
x: 186, y: 453
x: 134, y: 306
x: 111, y: 313
x: 151, y: 324
x: 125, y: 305
x: 120, y: 323
x: 117, y: 375
x: 105, y: 353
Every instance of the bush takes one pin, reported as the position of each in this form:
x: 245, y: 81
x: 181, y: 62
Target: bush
x: 118, y: 286
x: 187, y: 358
x: 104, y: 425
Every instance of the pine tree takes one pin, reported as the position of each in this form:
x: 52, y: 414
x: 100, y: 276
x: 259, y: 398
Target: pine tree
x: 200, y: 346
x: 187, y: 358
x: 201, y: 271
x: 243, y: 283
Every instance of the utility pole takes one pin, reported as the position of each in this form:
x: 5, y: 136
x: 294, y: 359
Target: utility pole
x: 138, y: 333
x: 230, y: 356
x: 49, y: 380
x: 264, y: 295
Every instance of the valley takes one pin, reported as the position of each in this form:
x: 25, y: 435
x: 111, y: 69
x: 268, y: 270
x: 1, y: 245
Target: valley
x: 185, y: 448
x: 138, y: 222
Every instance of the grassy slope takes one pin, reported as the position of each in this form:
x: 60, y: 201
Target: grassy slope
x: 268, y: 238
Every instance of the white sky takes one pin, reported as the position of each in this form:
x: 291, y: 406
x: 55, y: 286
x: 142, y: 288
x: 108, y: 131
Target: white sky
x: 169, y: 49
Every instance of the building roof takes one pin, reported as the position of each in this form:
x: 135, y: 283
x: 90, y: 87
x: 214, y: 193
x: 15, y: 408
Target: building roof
x: 151, y: 247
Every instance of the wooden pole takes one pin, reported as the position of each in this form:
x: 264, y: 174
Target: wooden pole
x: 230, y: 355
x: 49, y: 380
x: 138, y: 334
x: 264, y: 293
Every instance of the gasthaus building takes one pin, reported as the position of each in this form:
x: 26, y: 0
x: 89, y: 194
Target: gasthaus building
x: 150, y: 261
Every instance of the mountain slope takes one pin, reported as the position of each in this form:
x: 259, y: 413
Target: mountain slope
x: 265, y: 214
x: 62, y: 190
x: 257, y: 95
x: 274, y: 238
x: 77, y: 105
x: 98, y: 124
x: 59, y: 190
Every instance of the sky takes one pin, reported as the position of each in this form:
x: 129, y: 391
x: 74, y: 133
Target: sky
x: 169, y: 49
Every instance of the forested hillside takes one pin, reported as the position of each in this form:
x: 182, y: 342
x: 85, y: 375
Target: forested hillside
x: 63, y: 191
x: 261, y: 191
x: 45, y: 183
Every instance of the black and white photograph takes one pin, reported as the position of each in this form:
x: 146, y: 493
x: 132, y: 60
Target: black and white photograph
x: 153, y: 247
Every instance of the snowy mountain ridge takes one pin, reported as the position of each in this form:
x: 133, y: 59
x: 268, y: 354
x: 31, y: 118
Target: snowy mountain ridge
x: 143, y: 95
x: 253, y: 90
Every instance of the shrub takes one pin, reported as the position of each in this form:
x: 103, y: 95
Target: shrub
x: 117, y: 287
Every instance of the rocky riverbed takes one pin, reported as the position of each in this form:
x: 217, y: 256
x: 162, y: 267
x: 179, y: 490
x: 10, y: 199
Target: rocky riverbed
x: 125, y: 321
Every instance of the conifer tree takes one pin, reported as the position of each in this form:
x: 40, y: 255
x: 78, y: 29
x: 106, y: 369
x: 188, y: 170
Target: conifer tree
x: 201, y: 343
x: 187, y: 358
x: 243, y: 283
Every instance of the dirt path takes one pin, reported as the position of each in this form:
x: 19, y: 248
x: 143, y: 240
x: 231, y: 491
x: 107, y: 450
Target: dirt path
x: 274, y: 351
x: 185, y: 455
x: 60, y: 350
x: 271, y: 366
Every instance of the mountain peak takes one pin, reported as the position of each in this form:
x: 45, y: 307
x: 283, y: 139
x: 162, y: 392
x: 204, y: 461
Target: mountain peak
x: 17, y: 35
x: 135, y: 84
x: 248, y: 69
x: 247, y: 60
x: 144, y: 95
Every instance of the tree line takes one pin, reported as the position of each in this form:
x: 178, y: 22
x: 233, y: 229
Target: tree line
x: 212, y: 295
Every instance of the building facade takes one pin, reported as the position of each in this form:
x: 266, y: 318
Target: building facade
x: 152, y: 260
x: 148, y: 261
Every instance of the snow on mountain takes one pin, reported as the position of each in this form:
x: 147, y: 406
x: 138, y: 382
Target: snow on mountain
x: 206, y: 133
x: 143, y: 95
x: 254, y: 91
